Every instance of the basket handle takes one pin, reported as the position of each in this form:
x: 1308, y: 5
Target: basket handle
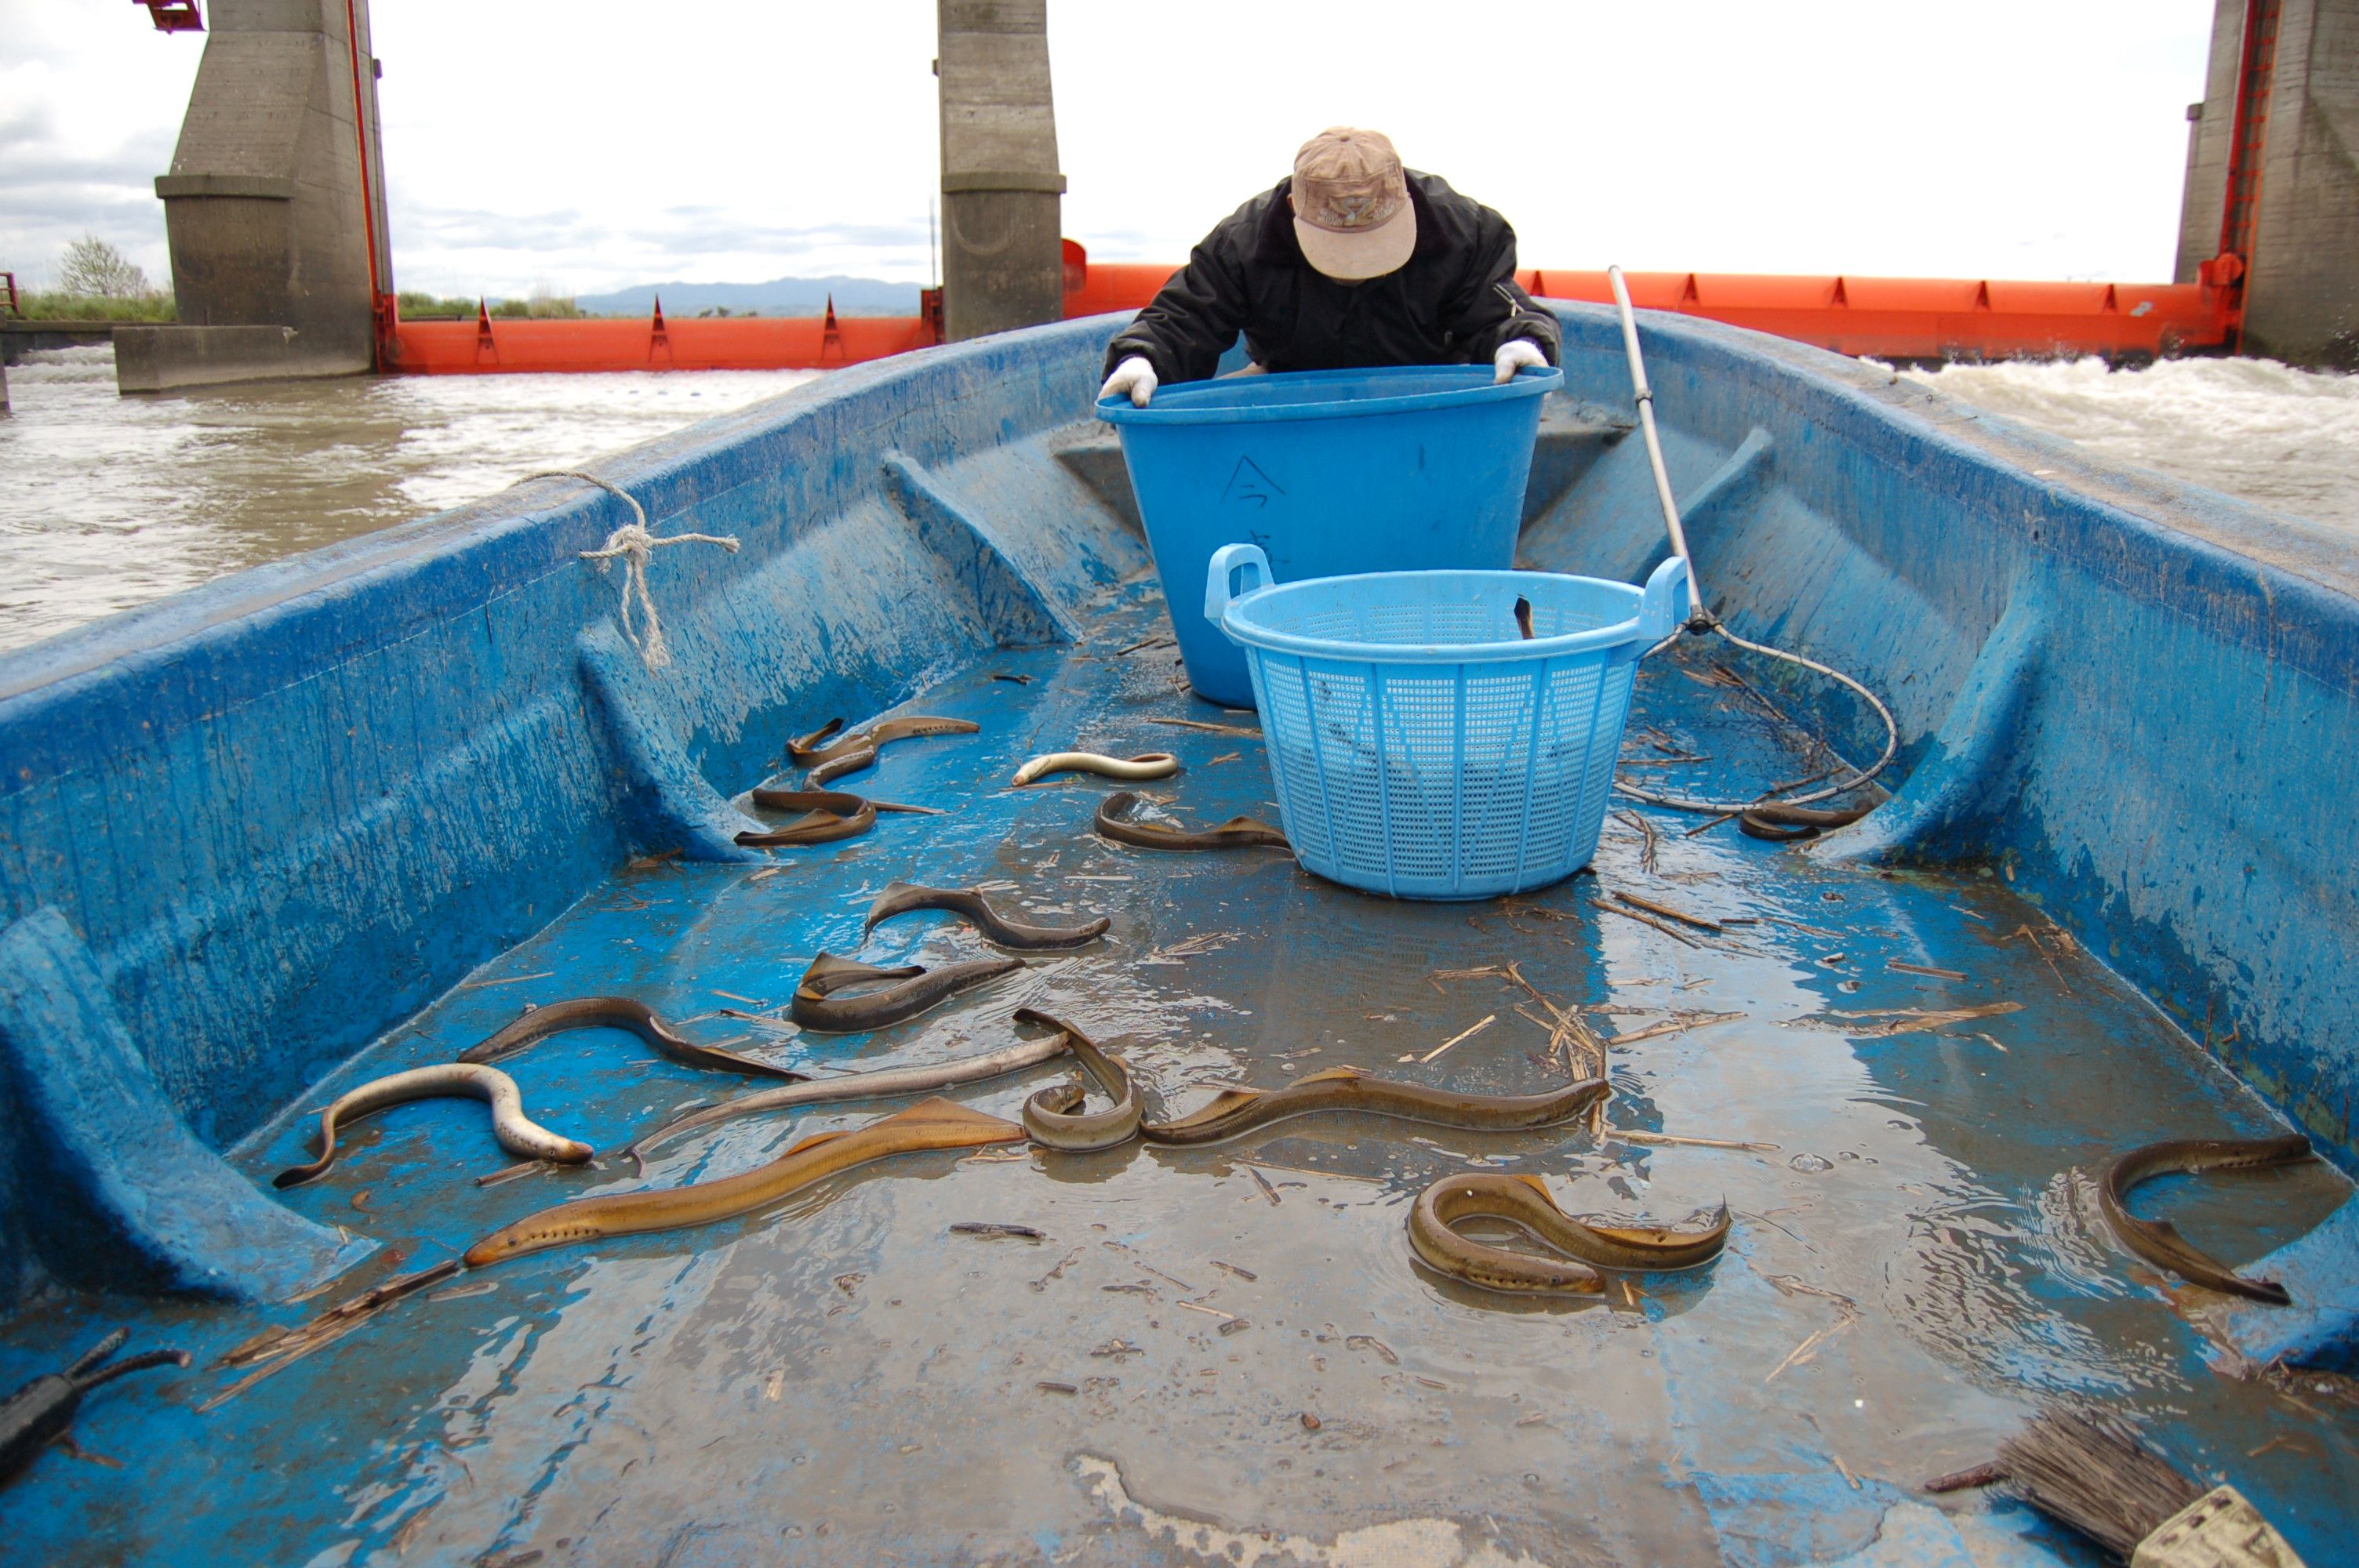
x: 1228, y: 561
x: 1665, y: 608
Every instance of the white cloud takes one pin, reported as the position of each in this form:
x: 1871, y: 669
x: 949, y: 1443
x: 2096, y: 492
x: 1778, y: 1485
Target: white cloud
x: 713, y: 140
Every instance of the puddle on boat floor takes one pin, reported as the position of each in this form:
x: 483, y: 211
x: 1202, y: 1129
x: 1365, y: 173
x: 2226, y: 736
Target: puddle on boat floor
x: 1229, y: 1353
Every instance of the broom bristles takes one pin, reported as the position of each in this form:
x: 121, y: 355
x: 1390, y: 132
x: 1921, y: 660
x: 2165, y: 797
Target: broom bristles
x: 2094, y: 1475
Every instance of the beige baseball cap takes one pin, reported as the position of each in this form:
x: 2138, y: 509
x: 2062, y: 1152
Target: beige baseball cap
x: 1352, y: 211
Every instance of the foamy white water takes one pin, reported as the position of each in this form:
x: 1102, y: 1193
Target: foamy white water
x: 109, y: 502
x: 2284, y: 438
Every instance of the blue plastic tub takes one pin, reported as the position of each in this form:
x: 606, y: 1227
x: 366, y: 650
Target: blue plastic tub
x: 1330, y: 472
x: 1422, y: 746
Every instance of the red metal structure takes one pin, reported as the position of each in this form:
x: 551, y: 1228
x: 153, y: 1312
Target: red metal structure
x: 2255, y: 73
x: 174, y: 16
x: 1889, y: 317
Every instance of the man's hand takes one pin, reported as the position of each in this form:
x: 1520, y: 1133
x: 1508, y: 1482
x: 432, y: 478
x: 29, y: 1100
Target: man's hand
x: 1136, y: 378
x: 1514, y: 355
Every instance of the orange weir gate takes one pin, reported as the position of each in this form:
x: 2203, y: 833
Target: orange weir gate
x: 1885, y: 318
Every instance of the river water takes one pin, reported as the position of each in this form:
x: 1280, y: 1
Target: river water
x: 111, y: 501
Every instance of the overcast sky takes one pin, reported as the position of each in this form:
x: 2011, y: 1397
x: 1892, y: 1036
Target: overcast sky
x: 587, y: 146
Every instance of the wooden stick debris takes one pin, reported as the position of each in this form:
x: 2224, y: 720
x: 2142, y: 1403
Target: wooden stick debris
x: 1488, y: 1019
x: 1926, y: 969
x: 1647, y: 833
x: 1208, y: 726
x: 1916, y: 1021
x: 1700, y: 921
x: 507, y: 1173
x: 1672, y: 1026
x: 1674, y: 1140
x: 2028, y: 934
x: 1671, y: 931
x: 1808, y: 1348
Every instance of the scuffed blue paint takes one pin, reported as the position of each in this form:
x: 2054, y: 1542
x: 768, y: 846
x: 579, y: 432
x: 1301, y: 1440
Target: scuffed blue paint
x: 2158, y: 761
x: 284, y: 812
x: 107, y: 1179
x: 2320, y: 1328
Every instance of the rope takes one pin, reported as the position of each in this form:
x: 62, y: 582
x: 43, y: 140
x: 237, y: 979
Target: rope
x: 632, y: 544
x: 1726, y: 807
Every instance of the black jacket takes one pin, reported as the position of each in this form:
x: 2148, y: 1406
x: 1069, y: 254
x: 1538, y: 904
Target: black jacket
x: 1453, y: 302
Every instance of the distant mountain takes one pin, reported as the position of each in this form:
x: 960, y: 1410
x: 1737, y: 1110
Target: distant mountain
x: 779, y: 297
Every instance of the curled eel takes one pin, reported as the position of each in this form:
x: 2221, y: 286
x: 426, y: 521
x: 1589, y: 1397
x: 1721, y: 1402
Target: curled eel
x: 1524, y: 1202
x: 1146, y: 765
x: 1781, y: 824
x: 877, y: 1085
x: 1237, y: 833
x: 829, y: 760
x: 934, y: 1123
x: 1233, y: 1111
x: 517, y: 1134
x: 901, y: 898
x: 817, y: 1007
x: 846, y: 816
x: 1054, y: 1116
x: 828, y: 815
x: 2157, y: 1240
x: 616, y: 1012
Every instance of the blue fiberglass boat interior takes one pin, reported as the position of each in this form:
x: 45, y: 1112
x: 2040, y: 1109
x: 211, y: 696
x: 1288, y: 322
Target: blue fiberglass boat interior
x: 351, y: 812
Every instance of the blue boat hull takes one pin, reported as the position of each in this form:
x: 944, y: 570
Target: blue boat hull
x: 254, y: 830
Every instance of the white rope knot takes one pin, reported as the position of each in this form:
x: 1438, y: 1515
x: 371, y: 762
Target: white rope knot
x: 632, y: 544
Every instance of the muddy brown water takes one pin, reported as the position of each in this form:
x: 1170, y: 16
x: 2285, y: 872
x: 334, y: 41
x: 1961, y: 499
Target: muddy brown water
x: 107, y: 501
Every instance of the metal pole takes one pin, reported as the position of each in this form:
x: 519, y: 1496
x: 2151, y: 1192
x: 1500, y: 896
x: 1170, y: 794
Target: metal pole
x: 1645, y: 396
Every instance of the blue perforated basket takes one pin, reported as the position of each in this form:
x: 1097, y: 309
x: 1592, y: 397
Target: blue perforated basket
x: 1422, y: 746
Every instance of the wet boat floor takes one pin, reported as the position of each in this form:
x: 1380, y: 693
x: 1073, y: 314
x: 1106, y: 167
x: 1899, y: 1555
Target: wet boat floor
x: 1230, y: 1353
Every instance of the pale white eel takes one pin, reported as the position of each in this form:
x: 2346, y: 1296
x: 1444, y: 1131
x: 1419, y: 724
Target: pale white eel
x: 1146, y: 765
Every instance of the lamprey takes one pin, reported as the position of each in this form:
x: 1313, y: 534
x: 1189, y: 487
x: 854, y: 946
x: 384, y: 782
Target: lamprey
x: 1233, y: 1112
x: 1781, y: 824
x: 519, y: 1135
x: 831, y: 759
x: 816, y: 1006
x: 1524, y: 1202
x: 901, y: 898
x: 934, y: 1123
x: 927, y: 1079
x: 828, y: 815
x: 1146, y: 765
x: 616, y: 1012
x: 1237, y: 833
x: 40, y: 1411
x: 2157, y: 1240
x: 1054, y: 1115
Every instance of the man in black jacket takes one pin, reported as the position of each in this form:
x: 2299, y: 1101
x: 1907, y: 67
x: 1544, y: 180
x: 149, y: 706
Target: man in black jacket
x: 1352, y: 262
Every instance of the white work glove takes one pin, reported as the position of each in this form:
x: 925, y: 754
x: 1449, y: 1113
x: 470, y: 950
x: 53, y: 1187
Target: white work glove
x: 1137, y: 378
x: 1514, y: 355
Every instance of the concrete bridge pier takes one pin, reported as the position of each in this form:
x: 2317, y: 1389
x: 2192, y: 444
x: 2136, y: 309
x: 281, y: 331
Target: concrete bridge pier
x: 1003, y: 198
x: 275, y: 205
x: 2273, y: 175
